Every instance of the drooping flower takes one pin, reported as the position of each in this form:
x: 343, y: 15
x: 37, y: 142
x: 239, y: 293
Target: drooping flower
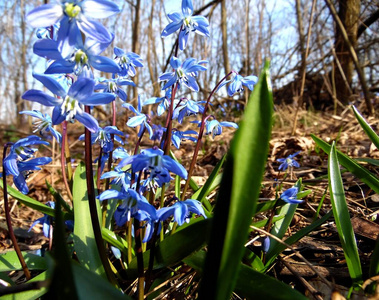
x: 182, y: 211
x: 156, y: 163
x: 114, y: 85
x: 140, y: 119
x: 290, y: 195
x: 46, y: 221
x: 214, y: 127
x: 20, y: 161
x: 178, y: 136
x: 127, y: 62
x: 158, y: 132
x: 288, y: 162
x: 237, y: 83
x: 187, y: 108
x: 132, y: 202
x: 186, y: 22
x: 120, y: 177
x: 103, y: 137
x: 69, y: 105
x: 74, y: 16
x: 164, y: 102
x: 184, y: 73
x: 44, y: 125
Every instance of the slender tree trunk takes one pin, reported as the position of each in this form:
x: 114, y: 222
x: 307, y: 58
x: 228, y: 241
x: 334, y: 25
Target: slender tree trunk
x: 224, y: 37
x: 135, y: 40
x: 348, y: 12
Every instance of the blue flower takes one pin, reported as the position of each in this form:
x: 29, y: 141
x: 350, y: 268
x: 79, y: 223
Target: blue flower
x: 74, y: 16
x: 44, y: 125
x: 186, y: 22
x: 140, y: 119
x: 132, y: 202
x: 178, y: 136
x: 69, y: 105
x: 127, y: 62
x: 238, y: 82
x: 80, y: 60
x: 164, y: 102
x: 158, y: 131
x: 103, y: 137
x: 184, y: 73
x: 50, y: 32
x: 154, y: 161
x: 288, y: 162
x: 290, y: 196
x: 114, y: 85
x: 188, y: 108
x: 46, y: 221
x: 214, y: 127
x: 182, y: 211
x: 121, y: 178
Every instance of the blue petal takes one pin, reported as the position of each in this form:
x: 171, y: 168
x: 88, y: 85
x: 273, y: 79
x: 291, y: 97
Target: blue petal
x: 57, y: 116
x: 104, y: 64
x: 170, y: 28
x: 98, y: 99
x: 95, y: 30
x: 111, y: 194
x: 175, y: 62
x: 41, y: 97
x: 183, y: 39
x: 51, y: 84
x: 47, y: 48
x: 118, y: 52
x: 122, y: 95
x: 60, y: 66
x: 44, y: 15
x: 229, y: 124
x: 94, y: 47
x: 81, y: 89
x: 136, y: 120
x: 187, y: 7
x: 20, y: 183
x: 99, y: 9
x: 174, y: 166
x: 180, y: 213
x: 69, y: 37
x: 88, y: 121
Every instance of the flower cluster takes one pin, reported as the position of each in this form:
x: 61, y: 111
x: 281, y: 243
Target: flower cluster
x: 73, y: 42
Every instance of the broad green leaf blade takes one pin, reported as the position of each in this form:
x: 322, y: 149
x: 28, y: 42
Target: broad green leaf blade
x: 239, y: 190
x: 30, y: 202
x: 32, y: 294
x: 84, y: 238
x: 57, y: 196
x: 296, y: 237
x: 115, y: 240
x: 280, y: 228
x: 359, y: 171
x: 367, y: 128
x: 342, y: 217
x: 10, y: 262
x: 250, y: 283
x: 178, y: 246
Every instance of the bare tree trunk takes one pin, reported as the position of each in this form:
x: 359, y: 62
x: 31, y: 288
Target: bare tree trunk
x: 20, y: 104
x: 150, y: 51
x: 135, y: 40
x: 258, y: 57
x: 300, y: 28
x: 224, y: 37
x: 348, y: 13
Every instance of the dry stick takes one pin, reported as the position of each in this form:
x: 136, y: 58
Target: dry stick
x: 297, y: 253
x: 305, y: 283
x: 8, y: 218
x: 300, y: 102
x: 353, y: 55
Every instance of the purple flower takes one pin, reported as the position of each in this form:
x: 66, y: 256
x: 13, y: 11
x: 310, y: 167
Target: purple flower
x: 186, y: 22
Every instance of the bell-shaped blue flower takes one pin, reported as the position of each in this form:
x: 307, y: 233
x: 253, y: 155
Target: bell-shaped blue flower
x: 184, y: 73
x: 214, y: 127
x: 178, y: 136
x: 114, y: 85
x: 187, y: 23
x: 103, y: 137
x: 237, y: 83
x: 164, y: 102
x: 290, y: 196
x: 127, y: 62
x: 140, y: 119
x: 187, y: 108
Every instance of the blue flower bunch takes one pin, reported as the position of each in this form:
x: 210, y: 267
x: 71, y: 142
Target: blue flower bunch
x: 72, y: 41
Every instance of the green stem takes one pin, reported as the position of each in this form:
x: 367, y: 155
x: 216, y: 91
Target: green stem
x: 63, y: 159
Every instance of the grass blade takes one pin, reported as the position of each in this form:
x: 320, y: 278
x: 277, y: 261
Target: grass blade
x: 367, y: 128
x: 342, y: 217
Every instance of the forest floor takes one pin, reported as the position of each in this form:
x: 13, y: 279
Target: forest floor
x: 321, y: 248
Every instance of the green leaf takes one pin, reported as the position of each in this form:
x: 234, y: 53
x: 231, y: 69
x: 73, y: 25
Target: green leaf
x: 238, y: 195
x: 374, y: 260
x: 10, y: 262
x: 84, y: 238
x: 176, y: 247
x: 359, y: 171
x: 57, y: 196
x: 251, y: 284
x: 367, y: 128
x: 115, y: 240
x: 342, y: 217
